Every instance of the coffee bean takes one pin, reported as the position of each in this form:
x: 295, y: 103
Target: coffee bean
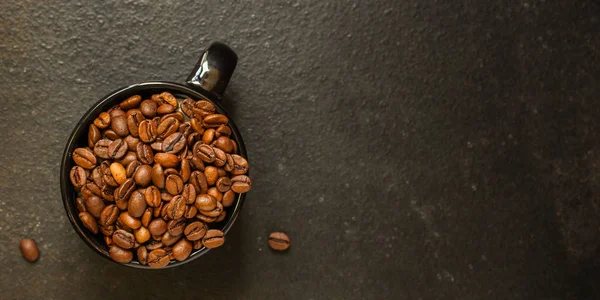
x: 229, y: 164
x: 174, y: 143
x: 132, y: 168
x: 168, y: 98
x: 148, y: 108
x: 123, y: 239
x: 175, y: 227
x: 137, y: 204
x: 119, y: 125
x: 119, y: 254
x: 165, y: 109
x: 166, y: 197
x: 94, y: 205
x: 144, y: 153
x: 131, y: 102
x: 241, y: 184
x: 152, y: 196
x: 107, y: 230
x: 129, y: 157
x: 235, y: 147
x: 109, y: 215
x: 97, y: 177
x: 185, y: 170
x: 206, y: 153
x: 176, y: 207
x: 118, y: 172
x: 119, y: 225
x: 158, y: 258
x: 220, y: 157
x: 193, y: 138
x: 205, y: 106
x: 84, y: 158
x: 156, y: 211
x: 205, y: 202
x: 279, y: 241
x: 164, y: 212
x: 91, y: 190
x: 167, y: 160
x: 241, y: 165
x: 123, y: 192
x: 88, y: 222
x: 101, y: 148
x: 221, y: 217
x: 211, y: 175
x: 117, y: 149
x: 174, y: 184
x: 215, y: 120
x: 198, y: 180
x: 171, y: 171
x: 80, y: 203
x: 157, y: 227
x: 103, y: 120
x: 167, y: 127
x: 224, y: 143
x: 190, y: 211
x: 213, y: 191
x: 196, y: 125
x: 197, y: 163
x: 111, y: 135
x: 129, y: 221
x: 215, y: 212
x: 189, y: 193
x: 208, y: 136
x: 195, y: 230
x: 168, y: 239
x: 29, y: 249
x: 158, y: 176
x: 108, y: 193
x: 78, y: 176
x: 213, y: 239
x: 134, y: 118
x: 224, y: 184
x: 182, y: 250
x: 108, y: 241
x: 114, y: 112
x: 186, y: 107
x: 206, y: 219
x: 147, y: 131
x: 147, y: 216
x: 197, y: 244
x: 143, y: 175
x: 223, y: 130
x: 94, y: 135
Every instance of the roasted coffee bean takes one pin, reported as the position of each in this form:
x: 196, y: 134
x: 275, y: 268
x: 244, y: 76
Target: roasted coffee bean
x: 206, y: 153
x: 94, y: 135
x: 103, y: 120
x: 215, y: 212
x: 94, y: 205
x: 111, y: 135
x: 78, y: 176
x: 177, y: 115
x: 147, y: 131
x: 208, y: 136
x: 80, y: 203
x: 186, y: 107
x: 122, y: 226
x: 123, y: 192
x: 147, y: 216
x: 169, y: 240
x: 158, y: 176
x: 132, y: 168
x: 123, y: 239
x: 119, y: 125
x: 166, y: 197
x: 154, y: 244
x: 224, y: 184
x: 190, y: 211
x: 167, y: 160
x: 142, y: 255
x: 185, y: 170
x: 220, y: 157
x: 152, y: 196
x: 84, y: 158
x: 156, y: 211
x: 134, y: 118
x: 213, y: 191
x: 198, y: 180
x: 167, y: 97
x: 223, y: 130
x: 213, y: 238
x: 229, y: 164
x: 101, y: 148
x: 212, y: 174
x: 174, y: 143
x: 195, y: 230
x: 197, y: 163
x: 108, y: 193
x: 148, y: 108
x: 193, y: 138
x: 176, y: 207
x: 131, y: 102
x: 241, y: 184
x: 129, y: 157
x: 165, y: 109
x: 235, y: 147
x: 224, y: 143
x: 221, y: 217
x: 164, y: 212
x: 169, y: 171
x: 167, y: 127
x: 114, y: 112
x: 196, y: 125
x: 107, y: 230
x: 92, y: 190
x: 129, y: 221
x: 30, y: 251
x: 118, y: 172
x: 241, y: 165
x: 117, y: 149
x: 182, y: 250
x: 158, y: 258
x: 203, y: 108
x: 205, y: 202
x: 157, y: 227
x: 108, y: 241
x: 206, y: 219
x: 197, y: 244
x: 137, y: 204
x: 144, y: 153
x: 175, y: 227
x: 279, y: 241
x: 89, y: 222
x: 107, y: 176
x: 143, y: 175
x: 185, y: 129
x: 97, y: 177
x: 215, y: 120
x: 120, y: 255
x: 109, y: 215
x: 174, y: 184
x: 189, y: 193
x: 142, y: 235
x: 221, y: 172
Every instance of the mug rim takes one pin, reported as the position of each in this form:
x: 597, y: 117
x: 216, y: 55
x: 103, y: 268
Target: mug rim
x: 83, y: 123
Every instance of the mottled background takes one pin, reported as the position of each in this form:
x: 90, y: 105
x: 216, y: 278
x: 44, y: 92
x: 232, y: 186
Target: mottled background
x: 412, y: 149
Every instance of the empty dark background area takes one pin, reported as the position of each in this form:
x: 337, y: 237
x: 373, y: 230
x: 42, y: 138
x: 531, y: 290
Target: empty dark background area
x: 411, y: 149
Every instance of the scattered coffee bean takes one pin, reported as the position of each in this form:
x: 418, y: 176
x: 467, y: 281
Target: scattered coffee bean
x: 29, y: 249
x: 279, y: 241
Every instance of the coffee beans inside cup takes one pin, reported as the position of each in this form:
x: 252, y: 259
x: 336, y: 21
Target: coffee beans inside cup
x: 155, y: 181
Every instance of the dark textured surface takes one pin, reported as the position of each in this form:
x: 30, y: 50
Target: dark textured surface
x: 411, y: 149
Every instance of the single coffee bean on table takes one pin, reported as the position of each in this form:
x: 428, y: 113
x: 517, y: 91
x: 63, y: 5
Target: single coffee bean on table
x: 279, y: 241
x: 156, y: 178
x: 29, y: 249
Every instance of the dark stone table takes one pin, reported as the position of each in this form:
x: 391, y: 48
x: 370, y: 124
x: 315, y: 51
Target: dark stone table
x: 411, y: 149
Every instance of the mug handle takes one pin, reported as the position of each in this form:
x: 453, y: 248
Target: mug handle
x: 213, y: 70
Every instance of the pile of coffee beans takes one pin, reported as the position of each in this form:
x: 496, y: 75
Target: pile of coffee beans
x: 155, y: 182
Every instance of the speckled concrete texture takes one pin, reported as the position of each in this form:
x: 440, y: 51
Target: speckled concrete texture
x: 411, y: 149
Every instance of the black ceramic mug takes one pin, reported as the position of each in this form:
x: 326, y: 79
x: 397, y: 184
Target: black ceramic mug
x: 207, y: 81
